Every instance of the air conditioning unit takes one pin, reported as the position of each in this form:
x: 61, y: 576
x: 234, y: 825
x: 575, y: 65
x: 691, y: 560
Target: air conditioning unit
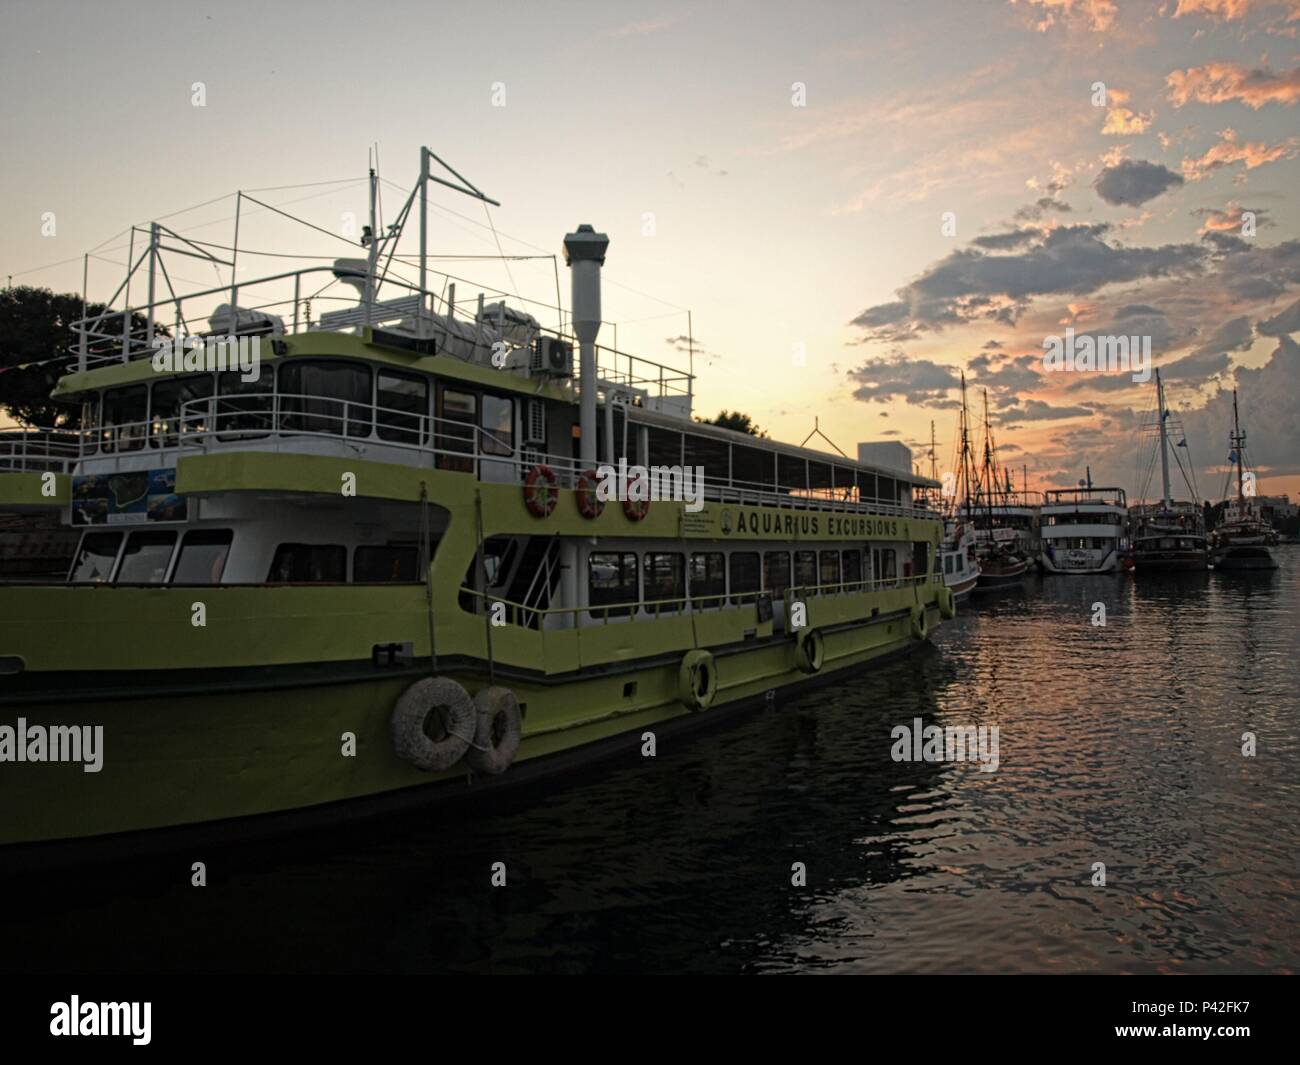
x: 552, y: 356
x: 535, y: 424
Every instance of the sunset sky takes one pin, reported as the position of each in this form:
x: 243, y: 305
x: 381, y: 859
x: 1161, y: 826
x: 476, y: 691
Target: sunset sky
x: 787, y: 219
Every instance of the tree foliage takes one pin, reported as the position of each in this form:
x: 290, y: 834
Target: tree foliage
x: 735, y: 420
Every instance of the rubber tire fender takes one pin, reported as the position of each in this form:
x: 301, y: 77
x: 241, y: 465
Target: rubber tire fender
x: 499, y: 728
x: 920, y: 621
x: 947, y: 604
x: 809, y: 650
x: 697, y: 680
x: 411, y: 743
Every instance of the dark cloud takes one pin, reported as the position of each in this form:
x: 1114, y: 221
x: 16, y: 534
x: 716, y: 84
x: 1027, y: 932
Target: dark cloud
x: 1035, y: 410
x: 1132, y: 182
x: 918, y: 381
x: 971, y: 284
x: 1014, y: 238
x: 1233, y: 335
x: 1034, y: 211
x: 1281, y: 324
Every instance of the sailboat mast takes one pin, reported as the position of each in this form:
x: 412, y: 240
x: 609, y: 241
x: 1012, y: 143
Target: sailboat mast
x: 1238, y: 445
x: 1164, y: 440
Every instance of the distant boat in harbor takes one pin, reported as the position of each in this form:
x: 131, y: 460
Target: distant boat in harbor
x: 961, y: 569
x: 1170, y: 535
x: 1243, y: 540
x: 1083, y: 529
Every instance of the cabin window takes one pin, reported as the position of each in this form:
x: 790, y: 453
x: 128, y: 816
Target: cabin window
x: 751, y: 467
x: 612, y: 583
x: 830, y: 571
x: 125, y: 412
x: 95, y: 558
x: 325, y: 397
x: 887, y: 490
x: 708, y: 578
x: 745, y: 572
x: 852, y: 568
x: 168, y: 408
x: 385, y: 565
x: 947, y: 563
x: 402, y: 407
x: 665, y: 447
x: 886, y: 563
x: 146, y: 558
x: 202, y: 557
x: 792, y: 473
x: 309, y: 564
x: 665, y: 580
x: 90, y: 422
x: 243, y: 408
x: 805, y: 570
x: 498, y: 426
x: 776, y: 572
x: 457, y: 419
x: 920, y: 558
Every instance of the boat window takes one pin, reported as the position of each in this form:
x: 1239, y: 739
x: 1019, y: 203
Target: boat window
x: 665, y: 447
x: 325, y: 397
x: 708, y: 578
x: 885, y: 563
x: 612, y: 579
x: 886, y: 490
x: 752, y: 467
x: 165, y: 410
x: 90, y: 422
x: 457, y: 416
x: 792, y: 473
x: 125, y: 411
x: 146, y: 558
x: 385, y: 565
x: 665, y: 580
x: 202, y: 557
x: 920, y: 557
x: 805, y: 569
x: 744, y: 576
x: 829, y: 577
x: 403, y: 402
x: 776, y: 572
x: 498, y: 424
x: 308, y: 564
x: 866, y: 485
x: 852, y: 568
x: 243, y: 409
x: 820, y: 477
x: 94, y: 560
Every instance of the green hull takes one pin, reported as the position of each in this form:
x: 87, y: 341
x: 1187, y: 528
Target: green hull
x: 175, y: 760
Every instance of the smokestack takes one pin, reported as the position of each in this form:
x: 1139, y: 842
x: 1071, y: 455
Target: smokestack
x: 584, y: 251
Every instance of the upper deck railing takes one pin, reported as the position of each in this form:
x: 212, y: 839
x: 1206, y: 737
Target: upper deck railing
x: 298, y: 301
x: 1069, y: 497
x: 288, y: 422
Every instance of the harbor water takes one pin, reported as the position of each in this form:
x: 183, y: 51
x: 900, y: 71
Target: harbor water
x: 1119, y: 744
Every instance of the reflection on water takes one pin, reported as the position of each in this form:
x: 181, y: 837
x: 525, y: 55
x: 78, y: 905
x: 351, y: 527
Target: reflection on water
x: 1119, y: 745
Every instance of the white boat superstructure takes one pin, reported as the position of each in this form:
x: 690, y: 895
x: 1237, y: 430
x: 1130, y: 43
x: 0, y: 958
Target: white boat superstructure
x: 961, y: 569
x: 1082, y: 529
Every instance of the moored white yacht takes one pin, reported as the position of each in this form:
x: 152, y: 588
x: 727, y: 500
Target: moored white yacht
x: 1082, y: 529
x: 961, y: 569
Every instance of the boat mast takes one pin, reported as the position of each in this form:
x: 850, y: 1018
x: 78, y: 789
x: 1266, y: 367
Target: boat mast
x: 1164, y: 440
x: 1238, y: 449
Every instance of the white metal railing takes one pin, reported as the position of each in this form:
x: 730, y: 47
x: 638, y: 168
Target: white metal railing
x: 272, y: 419
x: 39, y: 450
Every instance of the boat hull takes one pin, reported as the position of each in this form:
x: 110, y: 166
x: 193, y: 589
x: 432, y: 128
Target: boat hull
x: 1170, y: 561
x: 232, y: 751
x: 1260, y: 557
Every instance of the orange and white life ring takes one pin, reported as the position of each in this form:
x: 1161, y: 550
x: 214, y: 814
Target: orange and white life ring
x: 540, y: 491
x: 590, y: 505
x: 636, y: 509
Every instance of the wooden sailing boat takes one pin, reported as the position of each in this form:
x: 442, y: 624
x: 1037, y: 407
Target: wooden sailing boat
x: 1001, y: 562
x: 1243, y: 540
x: 1171, y: 535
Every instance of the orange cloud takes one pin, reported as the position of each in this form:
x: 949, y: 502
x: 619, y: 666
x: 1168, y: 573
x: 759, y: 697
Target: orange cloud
x: 1217, y: 83
x: 1097, y: 15
x: 1230, y: 151
x: 1231, y: 10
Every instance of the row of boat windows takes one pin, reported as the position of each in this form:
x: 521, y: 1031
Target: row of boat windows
x: 1082, y: 543
x: 317, y: 396
x: 618, y: 578
x: 1082, y: 519
x: 157, y: 556
x: 337, y: 396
